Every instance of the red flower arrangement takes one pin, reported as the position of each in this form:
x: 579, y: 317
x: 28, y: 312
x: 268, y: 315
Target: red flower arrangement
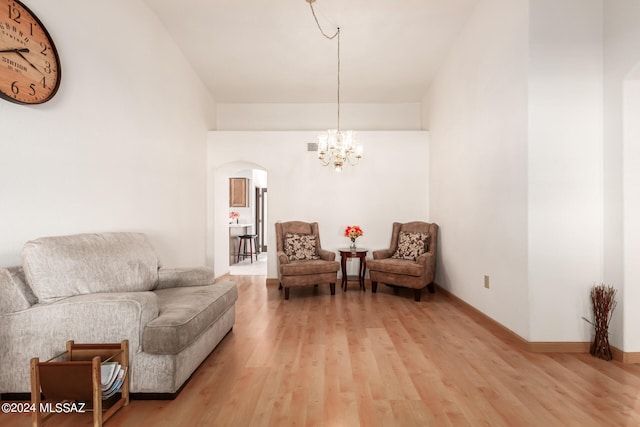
x: 353, y: 232
x: 233, y: 215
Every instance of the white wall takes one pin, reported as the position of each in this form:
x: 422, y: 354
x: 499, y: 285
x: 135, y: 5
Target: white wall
x: 565, y: 166
x: 318, y: 116
x: 476, y: 112
x: 121, y: 146
x: 390, y: 184
x: 621, y: 58
x: 631, y: 209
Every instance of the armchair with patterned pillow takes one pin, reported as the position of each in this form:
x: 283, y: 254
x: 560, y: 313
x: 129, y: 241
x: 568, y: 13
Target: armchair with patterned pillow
x: 301, y: 259
x: 410, y: 261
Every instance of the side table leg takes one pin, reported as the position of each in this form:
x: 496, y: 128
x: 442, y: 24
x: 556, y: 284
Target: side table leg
x: 343, y: 263
x: 363, y: 266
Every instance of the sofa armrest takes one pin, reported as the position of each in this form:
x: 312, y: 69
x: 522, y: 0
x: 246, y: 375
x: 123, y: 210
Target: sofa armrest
x: 327, y: 255
x: 184, y: 277
x: 282, y: 257
x: 383, y: 253
x: 43, y: 330
x: 428, y: 260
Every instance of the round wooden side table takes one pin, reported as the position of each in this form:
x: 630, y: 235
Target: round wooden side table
x: 360, y: 253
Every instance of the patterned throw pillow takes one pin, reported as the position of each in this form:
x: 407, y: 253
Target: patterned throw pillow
x: 300, y: 247
x: 411, y: 245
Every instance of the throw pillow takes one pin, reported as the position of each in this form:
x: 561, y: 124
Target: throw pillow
x: 411, y: 245
x: 300, y: 247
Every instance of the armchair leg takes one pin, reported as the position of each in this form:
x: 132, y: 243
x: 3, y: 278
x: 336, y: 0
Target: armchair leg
x: 416, y: 294
x: 286, y: 293
x: 280, y: 286
x: 431, y: 287
x: 374, y: 287
x: 332, y: 287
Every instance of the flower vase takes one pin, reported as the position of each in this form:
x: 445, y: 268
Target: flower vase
x: 353, y: 246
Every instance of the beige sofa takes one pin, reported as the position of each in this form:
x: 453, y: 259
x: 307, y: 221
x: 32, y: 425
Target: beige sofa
x: 103, y: 288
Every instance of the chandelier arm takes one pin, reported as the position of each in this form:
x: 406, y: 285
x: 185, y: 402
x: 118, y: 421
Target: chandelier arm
x: 353, y: 162
x: 325, y: 161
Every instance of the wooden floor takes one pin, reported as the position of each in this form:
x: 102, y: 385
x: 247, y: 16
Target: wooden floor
x: 379, y: 360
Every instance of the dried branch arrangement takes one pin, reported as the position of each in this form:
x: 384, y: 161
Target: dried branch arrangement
x: 603, y: 301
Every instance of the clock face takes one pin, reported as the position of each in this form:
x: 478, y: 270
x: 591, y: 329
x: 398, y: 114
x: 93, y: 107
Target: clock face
x: 29, y: 64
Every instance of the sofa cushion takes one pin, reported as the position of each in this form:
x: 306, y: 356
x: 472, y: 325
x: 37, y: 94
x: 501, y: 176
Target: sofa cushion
x: 15, y: 295
x: 64, y: 266
x: 186, y: 313
x: 411, y: 245
x: 396, y: 266
x: 299, y: 247
x: 296, y: 268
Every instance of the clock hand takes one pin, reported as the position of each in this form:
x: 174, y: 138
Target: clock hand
x: 19, y: 52
x: 24, y: 57
x: 14, y: 50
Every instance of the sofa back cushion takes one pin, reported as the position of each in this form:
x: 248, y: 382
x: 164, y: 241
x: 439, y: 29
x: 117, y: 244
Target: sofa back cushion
x: 15, y: 295
x: 64, y: 266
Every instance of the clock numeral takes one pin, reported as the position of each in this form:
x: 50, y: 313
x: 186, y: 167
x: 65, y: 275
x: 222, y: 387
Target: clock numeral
x: 44, y: 48
x: 14, y: 13
x: 32, y: 92
x: 14, y: 88
x: 47, y: 67
x: 44, y: 83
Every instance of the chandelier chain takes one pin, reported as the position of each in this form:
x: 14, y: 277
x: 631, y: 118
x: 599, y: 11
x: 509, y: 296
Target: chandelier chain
x: 336, y: 34
x: 318, y: 23
x: 335, y: 146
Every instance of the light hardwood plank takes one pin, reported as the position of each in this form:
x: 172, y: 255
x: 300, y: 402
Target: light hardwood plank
x: 379, y: 360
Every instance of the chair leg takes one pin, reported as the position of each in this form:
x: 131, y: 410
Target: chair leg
x: 332, y: 287
x: 374, y: 287
x: 280, y: 286
x: 286, y: 293
x: 431, y: 287
x: 239, y: 247
x: 416, y: 294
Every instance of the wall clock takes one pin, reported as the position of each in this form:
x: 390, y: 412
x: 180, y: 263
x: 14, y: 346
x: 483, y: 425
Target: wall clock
x: 29, y: 63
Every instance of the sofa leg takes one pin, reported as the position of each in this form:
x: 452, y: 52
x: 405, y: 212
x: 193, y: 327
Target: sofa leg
x: 280, y: 286
x: 416, y: 294
x: 374, y: 287
x: 286, y: 293
x: 431, y: 287
x: 332, y: 287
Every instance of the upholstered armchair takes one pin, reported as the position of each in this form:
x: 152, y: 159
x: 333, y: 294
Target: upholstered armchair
x: 410, y: 261
x: 301, y: 259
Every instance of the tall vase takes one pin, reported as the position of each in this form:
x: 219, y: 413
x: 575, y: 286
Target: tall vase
x: 353, y: 246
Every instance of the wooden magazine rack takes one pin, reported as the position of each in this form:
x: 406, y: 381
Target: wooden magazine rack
x: 78, y: 379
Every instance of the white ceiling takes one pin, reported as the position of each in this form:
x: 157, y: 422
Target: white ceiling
x: 271, y: 51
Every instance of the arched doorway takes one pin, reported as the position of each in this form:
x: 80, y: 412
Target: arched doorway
x: 221, y: 243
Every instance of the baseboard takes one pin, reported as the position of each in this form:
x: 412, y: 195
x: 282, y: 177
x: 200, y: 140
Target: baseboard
x: 558, y: 347
x: 541, y: 347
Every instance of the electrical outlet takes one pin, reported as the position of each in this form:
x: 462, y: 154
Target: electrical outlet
x: 486, y: 282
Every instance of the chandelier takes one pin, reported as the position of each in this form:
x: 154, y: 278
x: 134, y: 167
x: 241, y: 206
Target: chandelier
x: 335, y: 146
